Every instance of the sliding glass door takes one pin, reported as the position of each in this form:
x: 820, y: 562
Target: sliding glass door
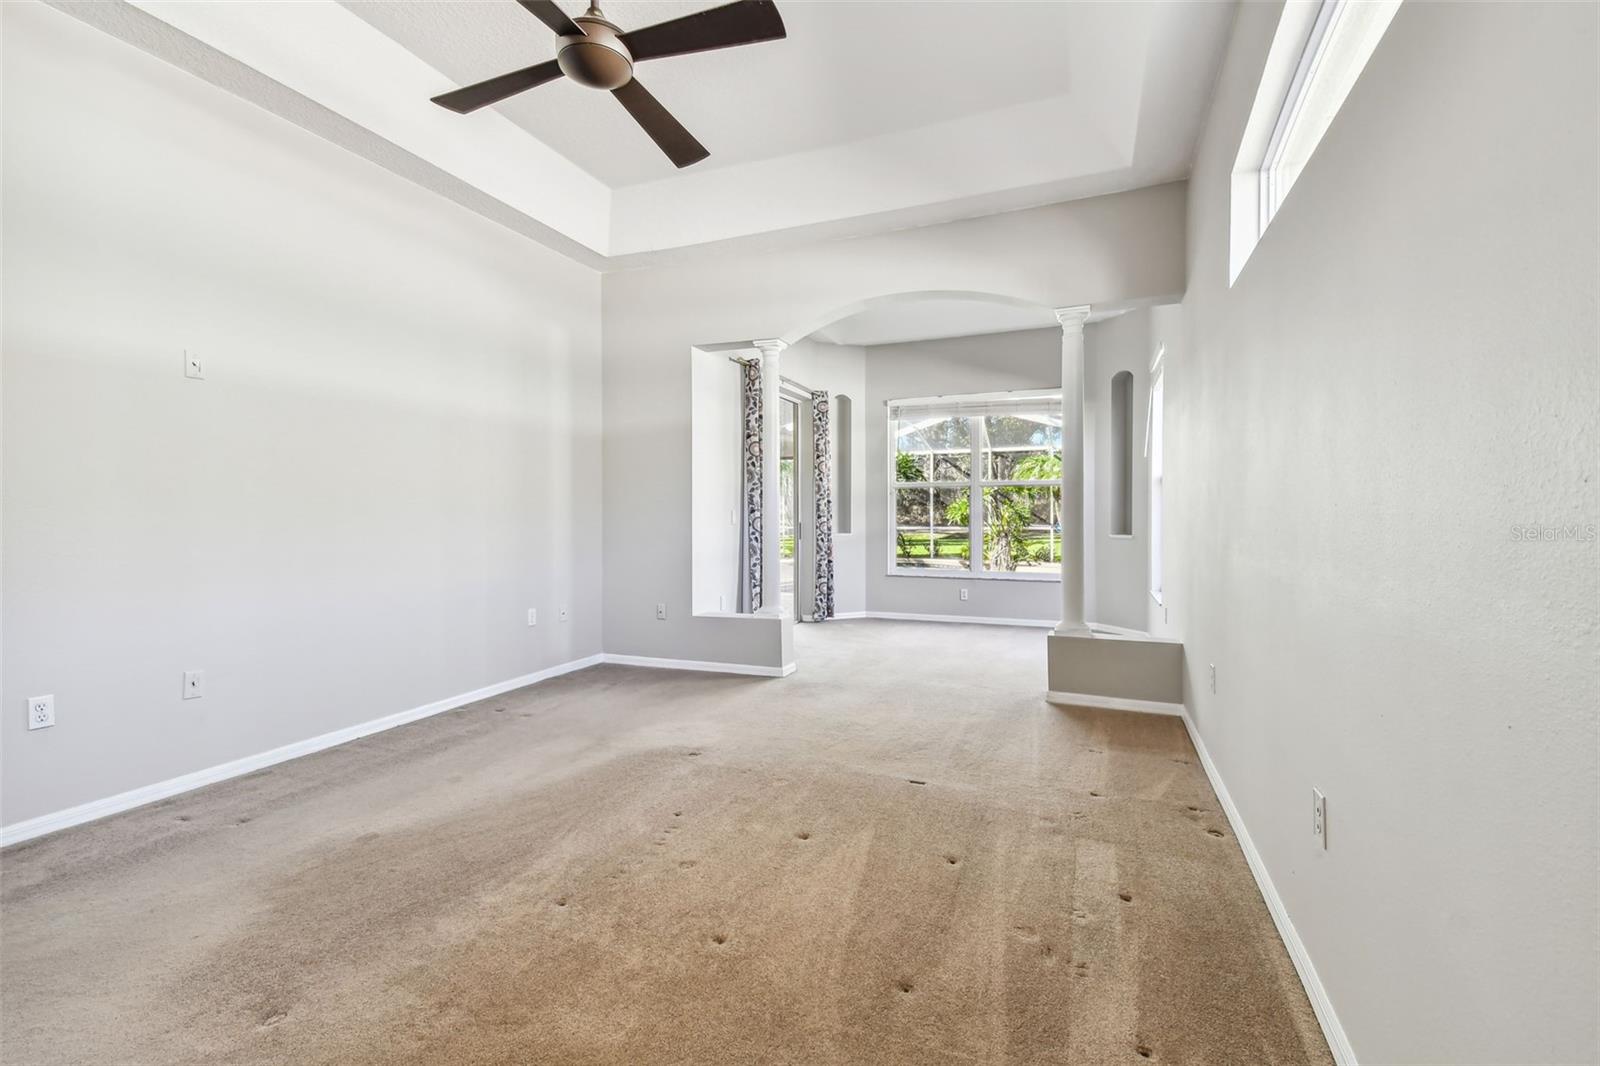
x: 788, y: 503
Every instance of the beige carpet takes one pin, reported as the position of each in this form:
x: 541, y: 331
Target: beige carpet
x: 900, y: 854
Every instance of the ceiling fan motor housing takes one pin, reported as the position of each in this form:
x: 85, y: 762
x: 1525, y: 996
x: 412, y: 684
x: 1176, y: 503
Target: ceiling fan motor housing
x: 597, y: 59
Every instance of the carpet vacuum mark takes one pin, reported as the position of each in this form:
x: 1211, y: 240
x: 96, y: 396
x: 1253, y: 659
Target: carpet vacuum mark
x: 619, y: 867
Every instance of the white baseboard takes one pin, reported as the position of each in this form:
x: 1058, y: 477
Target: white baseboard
x: 1338, y: 1042
x: 847, y: 614
x: 138, y: 797
x: 693, y: 664
x: 896, y: 616
x: 1115, y: 703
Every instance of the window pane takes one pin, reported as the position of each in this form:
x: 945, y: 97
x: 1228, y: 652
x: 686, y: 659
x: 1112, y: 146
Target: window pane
x: 930, y: 528
x: 786, y: 519
x: 786, y: 434
x: 1332, y: 62
x: 1022, y: 529
x: 1022, y: 447
x: 932, y: 449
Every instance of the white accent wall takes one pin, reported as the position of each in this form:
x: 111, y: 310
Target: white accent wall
x: 1402, y: 378
x: 394, y: 453
x: 717, y: 478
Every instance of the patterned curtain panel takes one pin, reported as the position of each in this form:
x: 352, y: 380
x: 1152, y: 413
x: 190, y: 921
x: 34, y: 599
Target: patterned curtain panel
x: 822, y: 483
x: 750, y: 527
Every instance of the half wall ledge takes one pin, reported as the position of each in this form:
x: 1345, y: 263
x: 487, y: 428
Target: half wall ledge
x: 1122, y: 671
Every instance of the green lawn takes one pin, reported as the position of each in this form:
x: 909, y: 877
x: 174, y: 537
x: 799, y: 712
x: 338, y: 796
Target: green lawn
x: 954, y: 545
x: 951, y: 546
x: 945, y: 546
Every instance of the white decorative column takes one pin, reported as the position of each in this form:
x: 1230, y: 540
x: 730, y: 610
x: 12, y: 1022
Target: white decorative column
x: 1072, y: 475
x: 771, y: 519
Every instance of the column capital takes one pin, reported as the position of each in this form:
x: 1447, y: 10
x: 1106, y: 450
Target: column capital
x: 1072, y: 317
x: 769, y: 347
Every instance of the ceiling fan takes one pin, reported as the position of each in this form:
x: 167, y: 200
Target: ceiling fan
x: 598, y: 53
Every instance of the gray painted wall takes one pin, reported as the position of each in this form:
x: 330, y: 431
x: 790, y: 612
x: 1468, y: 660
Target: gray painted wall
x: 394, y: 454
x: 877, y: 374
x: 350, y: 516
x: 874, y: 375
x: 1104, y: 250
x: 1118, y: 589
x: 1029, y: 359
x: 1121, y: 565
x: 1404, y: 373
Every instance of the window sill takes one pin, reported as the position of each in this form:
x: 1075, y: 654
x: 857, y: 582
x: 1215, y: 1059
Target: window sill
x: 968, y: 575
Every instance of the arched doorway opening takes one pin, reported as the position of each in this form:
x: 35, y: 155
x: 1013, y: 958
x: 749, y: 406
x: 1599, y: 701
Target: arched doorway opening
x: 830, y: 473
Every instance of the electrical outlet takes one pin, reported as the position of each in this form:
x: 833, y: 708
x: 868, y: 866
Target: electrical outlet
x: 194, y: 684
x: 533, y: 617
x: 563, y: 614
x: 661, y: 612
x: 1213, y: 677
x: 963, y: 595
x: 1319, y: 817
x: 41, y: 712
x: 192, y: 366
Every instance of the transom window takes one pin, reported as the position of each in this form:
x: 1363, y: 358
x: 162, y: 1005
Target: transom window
x: 975, y: 485
x: 1319, y: 50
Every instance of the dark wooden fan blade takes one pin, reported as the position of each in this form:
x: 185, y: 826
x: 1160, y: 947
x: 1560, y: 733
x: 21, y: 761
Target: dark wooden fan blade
x: 548, y: 13
x: 472, y: 97
x: 745, y: 22
x: 666, y: 131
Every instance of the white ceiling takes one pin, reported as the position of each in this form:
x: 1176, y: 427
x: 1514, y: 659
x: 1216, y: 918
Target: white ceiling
x: 871, y: 115
x: 845, y: 72
x: 937, y: 317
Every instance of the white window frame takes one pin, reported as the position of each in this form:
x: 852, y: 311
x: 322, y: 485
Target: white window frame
x: 1317, y: 53
x: 1273, y: 186
x: 950, y: 407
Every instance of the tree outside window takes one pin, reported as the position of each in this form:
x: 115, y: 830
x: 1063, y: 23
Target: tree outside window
x: 1007, y: 457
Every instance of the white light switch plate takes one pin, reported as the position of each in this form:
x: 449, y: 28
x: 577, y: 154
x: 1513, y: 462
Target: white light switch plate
x: 1319, y: 817
x: 192, y: 366
x: 194, y: 684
